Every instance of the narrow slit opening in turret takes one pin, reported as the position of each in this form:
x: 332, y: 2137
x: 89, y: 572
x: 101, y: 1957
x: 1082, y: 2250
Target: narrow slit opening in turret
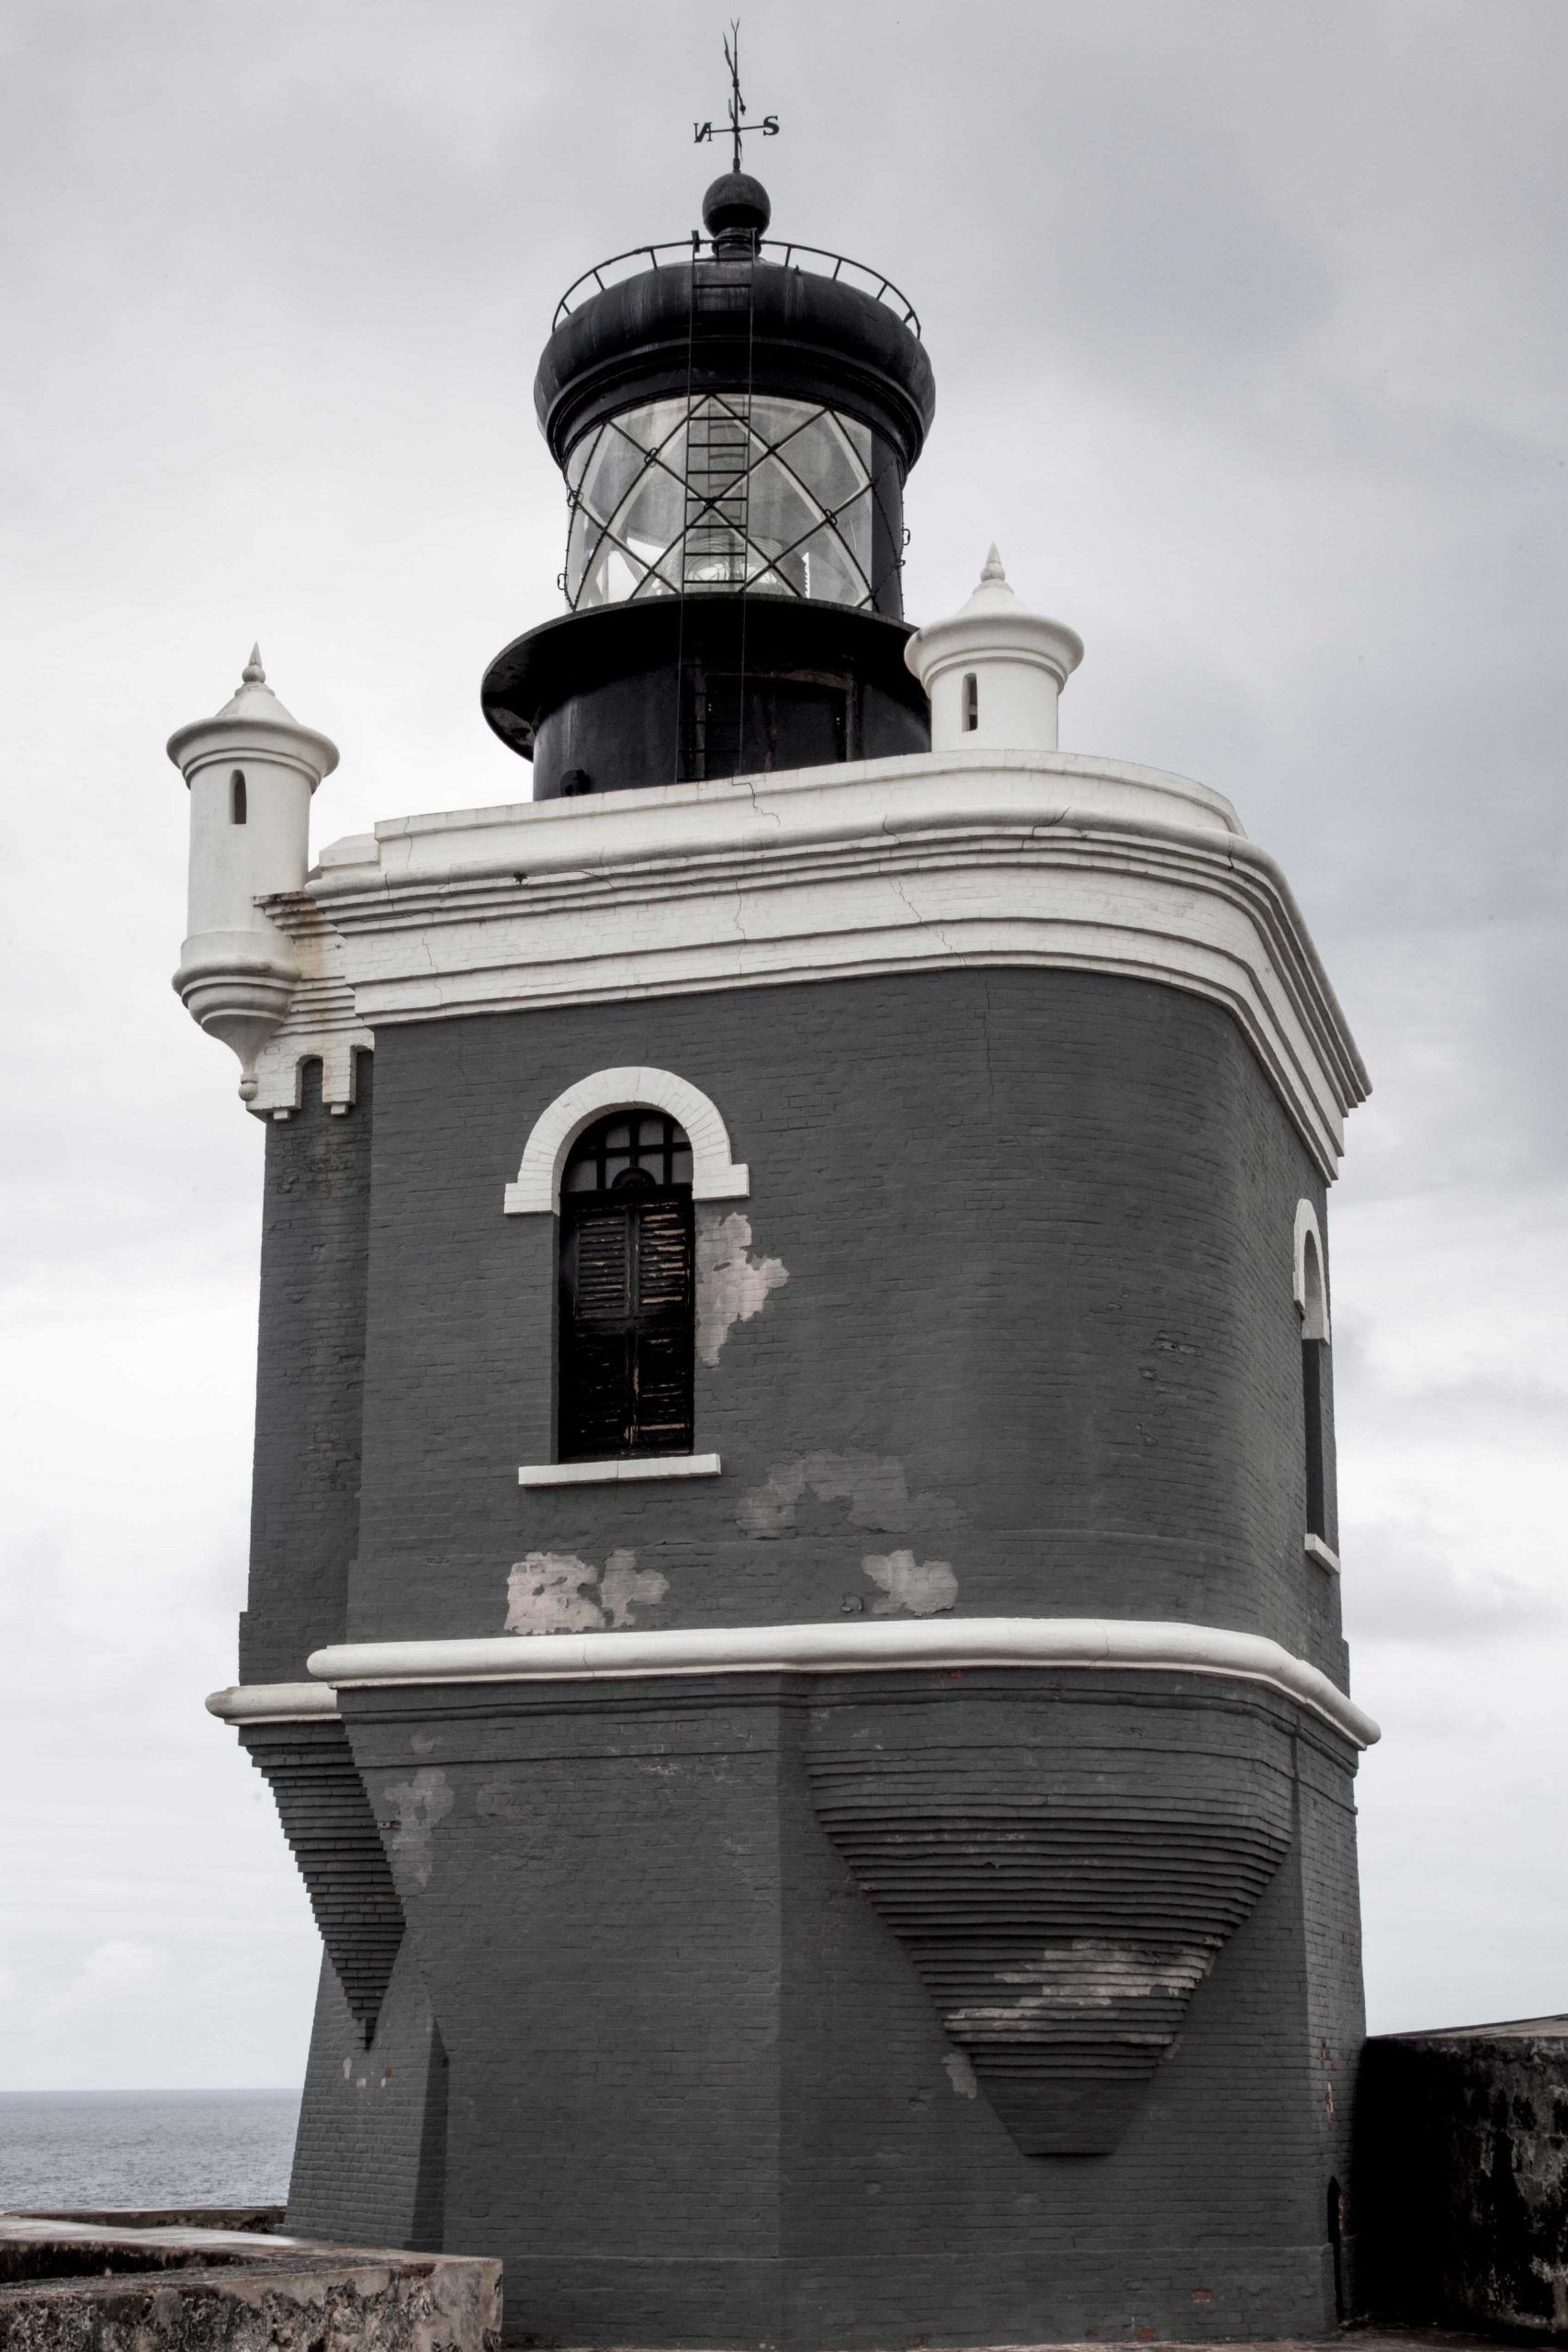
x: 237, y: 798
x: 971, y: 702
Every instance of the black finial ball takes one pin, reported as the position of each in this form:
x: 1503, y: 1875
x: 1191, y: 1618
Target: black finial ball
x: 736, y: 201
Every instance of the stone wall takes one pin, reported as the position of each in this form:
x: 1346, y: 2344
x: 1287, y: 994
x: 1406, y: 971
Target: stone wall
x: 1462, y: 2177
x: 69, y: 2286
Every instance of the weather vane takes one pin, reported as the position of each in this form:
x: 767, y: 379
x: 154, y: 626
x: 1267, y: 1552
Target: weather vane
x: 738, y: 126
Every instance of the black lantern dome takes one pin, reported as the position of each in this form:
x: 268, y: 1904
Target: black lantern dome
x: 734, y: 421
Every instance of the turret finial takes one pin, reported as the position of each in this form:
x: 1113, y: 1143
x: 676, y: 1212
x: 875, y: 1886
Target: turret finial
x: 253, y: 675
x: 992, y: 571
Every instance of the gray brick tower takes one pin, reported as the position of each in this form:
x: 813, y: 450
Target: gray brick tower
x: 793, y: 1621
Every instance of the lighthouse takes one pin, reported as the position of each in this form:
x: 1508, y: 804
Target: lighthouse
x: 793, y: 1623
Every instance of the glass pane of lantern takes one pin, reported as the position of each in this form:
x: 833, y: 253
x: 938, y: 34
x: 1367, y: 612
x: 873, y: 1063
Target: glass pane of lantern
x: 583, y: 457
x: 655, y: 425
x: 651, y: 516
x: 779, y: 512
x: 824, y: 454
x: 739, y: 498
x: 578, y: 544
x: 616, y: 466
x: 831, y: 574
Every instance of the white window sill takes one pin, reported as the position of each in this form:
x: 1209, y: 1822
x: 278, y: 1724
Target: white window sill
x: 623, y: 1470
x: 1316, y: 1549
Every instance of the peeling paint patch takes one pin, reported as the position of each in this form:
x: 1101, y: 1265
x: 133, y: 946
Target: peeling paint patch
x: 731, y: 1285
x: 555, y: 1592
x: 546, y: 1594
x: 961, y: 2074
x: 624, y: 1588
x: 410, y: 1810
x: 874, y: 1486
x: 1085, y: 1975
x: 919, y: 1588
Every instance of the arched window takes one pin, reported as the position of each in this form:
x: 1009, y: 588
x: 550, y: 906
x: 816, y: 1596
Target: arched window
x: 237, y: 798
x: 1312, y: 1299
x: 627, y: 1284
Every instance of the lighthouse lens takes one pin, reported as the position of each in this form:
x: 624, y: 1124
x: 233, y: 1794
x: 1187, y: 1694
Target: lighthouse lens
x: 719, y: 495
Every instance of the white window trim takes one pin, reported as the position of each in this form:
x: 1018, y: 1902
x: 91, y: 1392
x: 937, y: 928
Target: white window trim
x: 1316, y: 1549
x: 620, y: 1470
x: 715, y: 1175
x: 1314, y: 1311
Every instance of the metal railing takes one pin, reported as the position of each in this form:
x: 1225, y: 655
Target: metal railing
x: 815, y: 258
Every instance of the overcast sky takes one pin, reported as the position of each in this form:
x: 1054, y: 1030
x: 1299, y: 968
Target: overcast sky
x: 1247, y: 323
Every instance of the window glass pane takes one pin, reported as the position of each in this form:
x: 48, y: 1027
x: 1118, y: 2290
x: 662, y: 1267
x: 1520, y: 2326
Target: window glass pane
x: 649, y: 518
x: 651, y: 426
x: 616, y: 466
x: 581, y: 456
x: 646, y: 1144
x: 781, y: 511
x: 729, y: 498
x: 622, y: 576
x: 831, y: 574
x: 823, y: 456
x: 579, y: 545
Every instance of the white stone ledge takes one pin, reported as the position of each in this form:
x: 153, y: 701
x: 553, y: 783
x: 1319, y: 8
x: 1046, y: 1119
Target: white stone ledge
x: 841, y: 1647
x: 914, y: 867
x: 273, y: 1703
x: 623, y: 1470
x: 1316, y: 1549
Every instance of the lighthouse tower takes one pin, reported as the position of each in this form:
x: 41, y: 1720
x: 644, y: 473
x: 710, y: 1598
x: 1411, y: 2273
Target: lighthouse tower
x: 793, y: 1621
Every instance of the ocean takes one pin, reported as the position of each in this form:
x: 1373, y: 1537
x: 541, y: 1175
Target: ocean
x: 91, y: 2148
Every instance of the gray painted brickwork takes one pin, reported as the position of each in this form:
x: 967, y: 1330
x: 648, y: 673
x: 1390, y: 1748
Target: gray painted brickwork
x: 1036, y: 1336
x: 1037, y: 1228
x: 370, y: 2157
x: 327, y: 1820
x: 310, y: 1368
x: 698, y: 2092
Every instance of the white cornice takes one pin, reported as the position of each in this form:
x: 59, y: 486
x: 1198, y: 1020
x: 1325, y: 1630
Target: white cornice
x: 273, y: 1703
x: 931, y: 862
x: 321, y: 1023
x: 866, y: 1647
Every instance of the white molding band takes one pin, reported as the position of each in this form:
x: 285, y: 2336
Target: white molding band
x: 715, y: 1176
x: 273, y: 1703
x: 935, y: 861
x: 623, y: 1470
x: 1310, y: 1295
x: 1316, y: 1549
x: 322, y: 1024
x: 864, y: 1647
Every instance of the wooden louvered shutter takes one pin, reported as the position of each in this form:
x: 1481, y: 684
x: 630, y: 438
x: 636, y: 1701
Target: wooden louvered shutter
x: 662, y: 1348
x: 626, y: 1327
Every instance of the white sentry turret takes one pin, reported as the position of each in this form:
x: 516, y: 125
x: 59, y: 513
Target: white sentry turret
x: 252, y: 769
x: 994, y: 671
